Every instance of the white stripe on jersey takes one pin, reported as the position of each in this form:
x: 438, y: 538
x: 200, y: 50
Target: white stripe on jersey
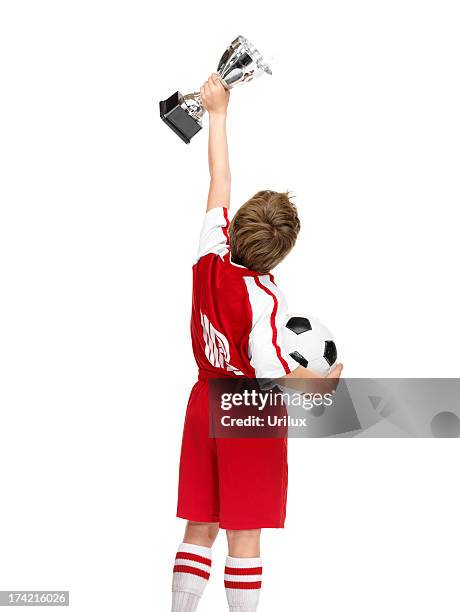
x: 281, y: 314
x: 213, y: 238
x: 263, y: 353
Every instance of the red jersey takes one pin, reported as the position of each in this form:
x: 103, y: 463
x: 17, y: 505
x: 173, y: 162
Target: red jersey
x: 237, y: 314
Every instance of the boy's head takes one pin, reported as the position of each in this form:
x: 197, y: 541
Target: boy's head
x: 263, y: 231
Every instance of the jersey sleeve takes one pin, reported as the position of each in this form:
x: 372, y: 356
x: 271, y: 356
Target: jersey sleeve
x: 269, y: 309
x: 214, y: 233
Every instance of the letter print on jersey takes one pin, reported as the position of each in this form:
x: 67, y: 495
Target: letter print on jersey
x: 217, y: 348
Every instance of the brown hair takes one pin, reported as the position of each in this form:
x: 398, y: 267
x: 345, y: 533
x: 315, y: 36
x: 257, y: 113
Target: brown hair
x: 263, y: 231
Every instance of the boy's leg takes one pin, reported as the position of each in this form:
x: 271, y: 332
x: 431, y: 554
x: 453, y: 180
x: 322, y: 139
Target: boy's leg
x: 193, y: 565
x: 243, y: 570
x: 198, y: 498
x: 203, y: 534
x: 252, y: 488
x: 244, y: 543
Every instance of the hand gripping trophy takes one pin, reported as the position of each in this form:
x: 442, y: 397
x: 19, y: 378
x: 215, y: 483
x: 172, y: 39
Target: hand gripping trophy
x: 241, y: 62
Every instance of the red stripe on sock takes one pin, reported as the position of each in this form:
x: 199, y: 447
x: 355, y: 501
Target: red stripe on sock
x: 243, y: 571
x: 242, y: 585
x: 188, y: 569
x: 192, y: 557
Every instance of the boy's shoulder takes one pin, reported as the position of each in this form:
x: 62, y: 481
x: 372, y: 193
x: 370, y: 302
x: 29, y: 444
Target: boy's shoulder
x: 214, y: 240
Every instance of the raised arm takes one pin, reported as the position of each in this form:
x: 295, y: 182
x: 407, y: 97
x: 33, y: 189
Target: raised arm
x: 215, y: 98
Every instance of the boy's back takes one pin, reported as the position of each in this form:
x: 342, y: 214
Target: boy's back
x: 236, y: 313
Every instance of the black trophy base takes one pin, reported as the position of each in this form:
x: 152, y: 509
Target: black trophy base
x: 177, y: 118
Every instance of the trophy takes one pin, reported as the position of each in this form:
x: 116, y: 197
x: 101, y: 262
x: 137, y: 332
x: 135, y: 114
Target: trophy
x: 241, y: 62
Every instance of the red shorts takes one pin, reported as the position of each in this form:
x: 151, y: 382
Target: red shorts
x: 240, y: 483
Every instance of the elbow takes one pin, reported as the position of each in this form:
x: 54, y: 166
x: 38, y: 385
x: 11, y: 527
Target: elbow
x: 220, y: 176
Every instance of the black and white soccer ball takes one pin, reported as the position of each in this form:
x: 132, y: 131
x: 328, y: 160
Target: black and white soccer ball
x: 309, y: 342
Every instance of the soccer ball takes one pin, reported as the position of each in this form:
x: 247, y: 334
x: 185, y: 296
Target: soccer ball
x: 310, y: 343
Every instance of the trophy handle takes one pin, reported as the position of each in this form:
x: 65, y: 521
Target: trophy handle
x: 222, y: 80
x: 194, y: 106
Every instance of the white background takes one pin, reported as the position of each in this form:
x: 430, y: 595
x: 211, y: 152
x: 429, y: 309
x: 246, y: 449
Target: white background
x: 101, y: 206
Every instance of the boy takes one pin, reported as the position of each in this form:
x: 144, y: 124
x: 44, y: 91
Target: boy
x: 238, y: 485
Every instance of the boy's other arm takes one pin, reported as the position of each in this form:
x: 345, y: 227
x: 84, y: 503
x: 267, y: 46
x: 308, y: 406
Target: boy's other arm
x: 303, y: 380
x: 302, y: 372
x: 215, y: 99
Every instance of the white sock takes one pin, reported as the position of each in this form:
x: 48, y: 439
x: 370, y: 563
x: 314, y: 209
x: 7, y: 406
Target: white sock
x: 190, y: 576
x: 243, y: 580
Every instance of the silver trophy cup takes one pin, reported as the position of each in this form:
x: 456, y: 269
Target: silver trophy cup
x: 240, y: 63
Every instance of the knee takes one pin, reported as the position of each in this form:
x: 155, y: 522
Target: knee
x: 241, y: 535
x: 244, y: 542
x: 203, y: 534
